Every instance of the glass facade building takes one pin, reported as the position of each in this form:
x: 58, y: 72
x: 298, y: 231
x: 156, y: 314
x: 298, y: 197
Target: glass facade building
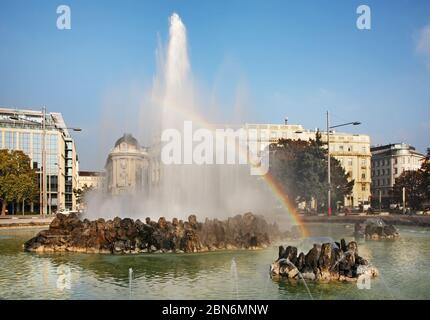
x: 23, y: 130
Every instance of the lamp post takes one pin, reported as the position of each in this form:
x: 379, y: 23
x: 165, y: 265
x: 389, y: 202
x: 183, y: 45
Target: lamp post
x: 44, y: 198
x: 355, y: 123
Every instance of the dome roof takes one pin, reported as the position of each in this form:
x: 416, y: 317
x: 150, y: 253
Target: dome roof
x: 127, y: 138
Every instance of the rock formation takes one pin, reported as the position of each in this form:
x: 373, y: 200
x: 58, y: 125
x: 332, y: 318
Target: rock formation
x: 375, y: 229
x: 326, y: 262
x: 69, y: 233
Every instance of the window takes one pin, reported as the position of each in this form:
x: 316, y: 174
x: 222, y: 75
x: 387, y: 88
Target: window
x: 24, y: 139
x: 52, y: 143
x: 395, y: 161
x: 363, y: 175
x: 37, y: 143
x: 383, y: 172
x: 395, y: 170
x: 51, y: 163
x: 340, y: 148
x: 350, y: 161
x: 363, y: 162
x: 363, y: 187
x: 378, y: 172
x: 10, y: 140
x: 54, y: 183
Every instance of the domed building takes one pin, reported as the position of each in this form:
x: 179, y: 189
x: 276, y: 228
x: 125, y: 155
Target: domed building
x: 127, y: 166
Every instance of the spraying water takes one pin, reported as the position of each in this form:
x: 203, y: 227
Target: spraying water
x: 130, y: 281
x: 208, y: 190
x: 235, y: 280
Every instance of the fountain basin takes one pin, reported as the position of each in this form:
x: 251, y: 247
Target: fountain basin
x: 126, y: 236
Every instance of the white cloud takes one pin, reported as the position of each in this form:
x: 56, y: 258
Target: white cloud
x: 423, y: 44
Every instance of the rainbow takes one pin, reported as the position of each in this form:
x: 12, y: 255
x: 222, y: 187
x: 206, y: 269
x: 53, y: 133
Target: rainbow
x: 287, y: 204
x: 276, y: 188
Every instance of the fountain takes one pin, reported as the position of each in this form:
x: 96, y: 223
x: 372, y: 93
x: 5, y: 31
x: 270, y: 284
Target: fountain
x: 122, y: 236
x: 176, y: 190
x: 324, y: 262
x: 375, y: 229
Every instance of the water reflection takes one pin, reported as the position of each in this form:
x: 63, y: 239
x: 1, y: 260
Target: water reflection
x: 404, y: 267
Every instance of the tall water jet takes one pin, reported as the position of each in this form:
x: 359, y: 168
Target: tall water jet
x: 208, y: 189
x: 177, y: 190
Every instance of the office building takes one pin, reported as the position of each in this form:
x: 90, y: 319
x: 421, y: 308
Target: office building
x: 23, y: 130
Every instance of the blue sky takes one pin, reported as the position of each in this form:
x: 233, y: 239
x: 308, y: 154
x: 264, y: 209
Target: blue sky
x: 281, y: 58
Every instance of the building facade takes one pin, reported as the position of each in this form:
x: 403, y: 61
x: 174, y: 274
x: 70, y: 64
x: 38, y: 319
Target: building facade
x: 23, y: 130
x: 352, y: 150
x: 126, y: 167
x: 91, y: 179
x: 388, y: 163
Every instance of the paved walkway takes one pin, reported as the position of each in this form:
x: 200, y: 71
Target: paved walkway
x: 24, y: 221
x: 398, y: 219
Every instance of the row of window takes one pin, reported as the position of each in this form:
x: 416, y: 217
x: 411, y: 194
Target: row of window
x: 381, y: 182
x: 400, y: 160
x: 383, y: 172
x: 351, y: 148
x: 13, y: 140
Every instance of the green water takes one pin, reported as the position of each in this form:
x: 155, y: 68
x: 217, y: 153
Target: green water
x: 404, y: 265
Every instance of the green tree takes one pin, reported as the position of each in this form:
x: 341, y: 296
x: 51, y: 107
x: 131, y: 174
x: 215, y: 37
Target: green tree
x: 18, y: 181
x: 425, y: 176
x: 301, y: 168
x: 412, y: 182
x: 81, y: 193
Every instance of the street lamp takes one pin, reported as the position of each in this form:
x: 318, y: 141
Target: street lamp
x: 355, y: 123
x: 44, y: 178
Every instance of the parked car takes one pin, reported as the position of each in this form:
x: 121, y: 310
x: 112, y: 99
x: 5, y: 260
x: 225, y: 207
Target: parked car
x: 67, y: 212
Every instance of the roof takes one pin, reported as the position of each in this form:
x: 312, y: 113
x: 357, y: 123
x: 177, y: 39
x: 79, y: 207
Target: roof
x: 90, y: 174
x: 127, y: 138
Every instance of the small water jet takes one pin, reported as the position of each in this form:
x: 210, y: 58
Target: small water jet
x: 130, y: 281
x: 300, y: 276
x: 235, y: 279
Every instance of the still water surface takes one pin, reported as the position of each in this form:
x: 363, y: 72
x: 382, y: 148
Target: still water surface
x: 404, y: 265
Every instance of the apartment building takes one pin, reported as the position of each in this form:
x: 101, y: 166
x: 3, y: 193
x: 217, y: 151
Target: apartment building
x: 388, y: 163
x: 352, y: 150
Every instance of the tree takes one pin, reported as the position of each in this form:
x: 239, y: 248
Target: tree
x: 425, y: 176
x: 412, y: 182
x: 18, y: 181
x: 81, y: 193
x: 301, y: 169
